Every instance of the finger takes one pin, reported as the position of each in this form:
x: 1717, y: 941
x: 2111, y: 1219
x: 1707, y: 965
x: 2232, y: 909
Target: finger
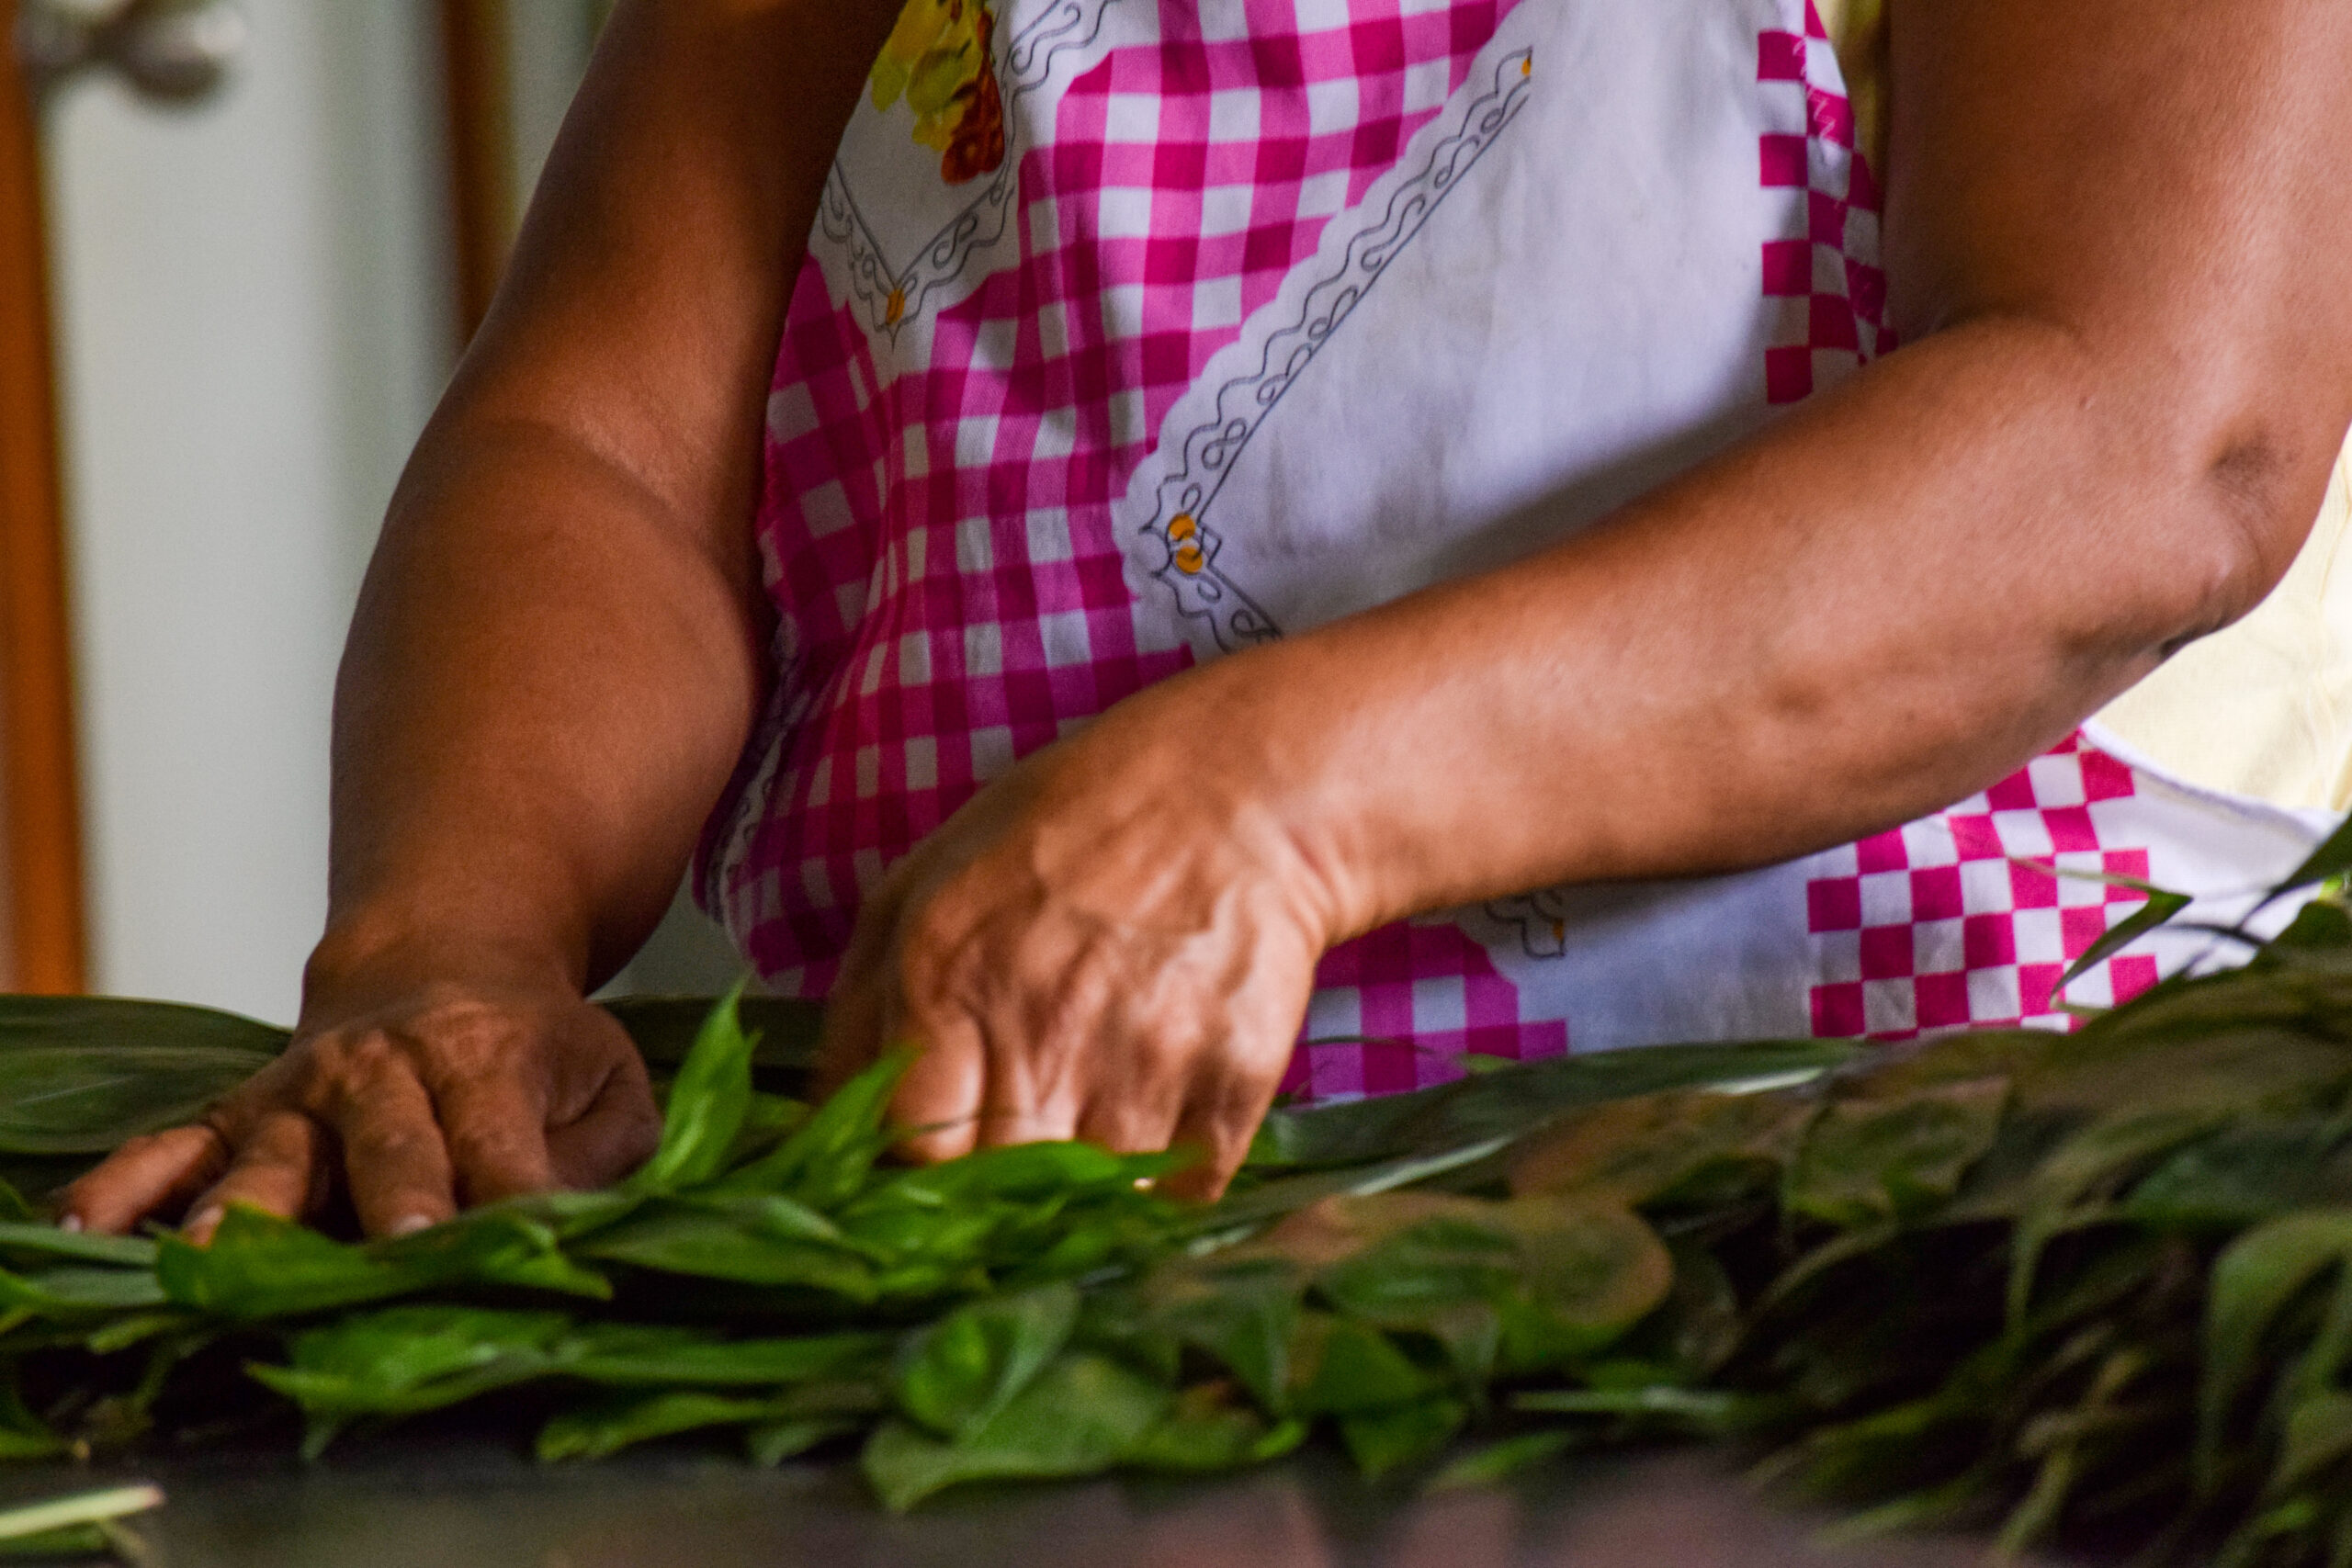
x: 1138, y: 1089
x: 1135, y: 1119
x: 1217, y: 1125
x: 277, y: 1167
x: 1033, y: 1093
x: 157, y: 1174
x: 496, y: 1129
x: 939, y: 1099
x: 618, y: 1132
x: 849, y: 1040
x: 394, y: 1159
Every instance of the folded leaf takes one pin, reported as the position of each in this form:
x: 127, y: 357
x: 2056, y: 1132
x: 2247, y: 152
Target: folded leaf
x: 956, y: 1375
x: 825, y: 1162
x: 1205, y: 1430
x: 1081, y: 1415
x: 707, y: 1106
x: 1865, y: 1161
x: 757, y: 1242
x: 259, y: 1267
x: 1382, y: 1441
x: 608, y: 1426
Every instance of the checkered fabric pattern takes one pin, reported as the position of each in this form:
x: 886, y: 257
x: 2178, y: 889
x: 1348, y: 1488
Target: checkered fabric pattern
x: 937, y: 534
x: 1958, y: 921
x: 1394, y: 1009
x: 1830, y: 286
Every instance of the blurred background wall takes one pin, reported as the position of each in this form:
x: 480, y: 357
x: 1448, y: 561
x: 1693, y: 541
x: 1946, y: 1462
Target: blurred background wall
x: 256, y: 299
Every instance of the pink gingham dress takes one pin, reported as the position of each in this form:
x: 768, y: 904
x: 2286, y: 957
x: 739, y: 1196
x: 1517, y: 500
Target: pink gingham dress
x: 1134, y: 331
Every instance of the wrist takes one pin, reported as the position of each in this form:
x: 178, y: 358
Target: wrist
x: 1252, y: 753
x: 372, y: 953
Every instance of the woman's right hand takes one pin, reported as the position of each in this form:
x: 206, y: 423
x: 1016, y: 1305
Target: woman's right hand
x: 438, y: 1096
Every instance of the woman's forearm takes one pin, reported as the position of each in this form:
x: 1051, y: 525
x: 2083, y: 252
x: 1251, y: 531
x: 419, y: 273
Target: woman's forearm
x: 533, y: 717
x: 1892, y: 600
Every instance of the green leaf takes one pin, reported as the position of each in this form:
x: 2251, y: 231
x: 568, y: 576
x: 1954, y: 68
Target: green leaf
x: 259, y: 1267
x: 756, y: 1239
x: 408, y: 1360
x: 1342, y: 1368
x: 605, y: 1427
x: 2254, y: 1281
x: 2081, y: 1171
x: 956, y: 1375
x: 1713, y: 1413
x: 1383, y: 1441
x: 647, y: 1355
x: 770, y: 1443
x: 1641, y: 1150
x: 827, y: 1160
x: 1512, y: 1102
x: 20, y: 1240
x: 2244, y: 1175
x: 1205, y: 1430
x: 1865, y: 1161
x: 73, y: 1293
x: 66, y: 1540
x: 79, y: 1075
x: 2319, y: 1434
x: 707, y: 1103
x: 1498, y: 1462
x: 2159, y: 910
x: 501, y: 1245
x: 2332, y: 859
x: 1241, y: 1311
x: 1030, y: 1173
x: 1081, y: 1415
x: 373, y: 1361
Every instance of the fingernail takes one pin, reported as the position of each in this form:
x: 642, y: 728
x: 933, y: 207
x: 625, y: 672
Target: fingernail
x: 69, y: 1221
x: 409, y: 1224
x: 203, y: 1222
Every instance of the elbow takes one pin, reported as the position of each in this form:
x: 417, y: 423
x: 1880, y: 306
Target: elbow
x: 2248, y: 494
x: 2216, y: 476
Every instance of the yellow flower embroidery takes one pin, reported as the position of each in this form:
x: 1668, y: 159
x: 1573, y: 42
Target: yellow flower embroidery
x: 1183, y: 536
x: 938, y: 59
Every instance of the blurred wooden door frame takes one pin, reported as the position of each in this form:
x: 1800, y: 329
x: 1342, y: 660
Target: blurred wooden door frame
x: 476, y: 74
x: 42, y: 930
x: 40, y: 817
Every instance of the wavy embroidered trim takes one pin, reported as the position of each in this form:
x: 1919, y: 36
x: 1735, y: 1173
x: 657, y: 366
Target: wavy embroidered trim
x: 1178, y: 524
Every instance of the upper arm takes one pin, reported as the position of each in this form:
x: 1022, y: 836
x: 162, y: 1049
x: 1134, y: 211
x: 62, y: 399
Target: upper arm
x: 640, y: 315
x: 2166, y: 184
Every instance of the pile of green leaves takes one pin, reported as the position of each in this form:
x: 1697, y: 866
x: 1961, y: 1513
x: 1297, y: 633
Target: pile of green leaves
x: 2096, y: 1285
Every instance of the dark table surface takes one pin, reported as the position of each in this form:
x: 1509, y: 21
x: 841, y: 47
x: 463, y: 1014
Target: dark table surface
x: 463, y: 1504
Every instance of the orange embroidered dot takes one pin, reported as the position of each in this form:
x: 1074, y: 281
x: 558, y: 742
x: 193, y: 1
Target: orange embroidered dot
x: 896, y: 308
x: 1190, y: 559
x: 1182, y: 527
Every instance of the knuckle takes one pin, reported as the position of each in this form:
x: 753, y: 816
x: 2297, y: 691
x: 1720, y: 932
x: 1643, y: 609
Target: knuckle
x: 398, y: 1142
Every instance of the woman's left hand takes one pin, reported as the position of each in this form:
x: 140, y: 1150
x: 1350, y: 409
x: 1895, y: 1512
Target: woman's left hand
x: 1105, y: 943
